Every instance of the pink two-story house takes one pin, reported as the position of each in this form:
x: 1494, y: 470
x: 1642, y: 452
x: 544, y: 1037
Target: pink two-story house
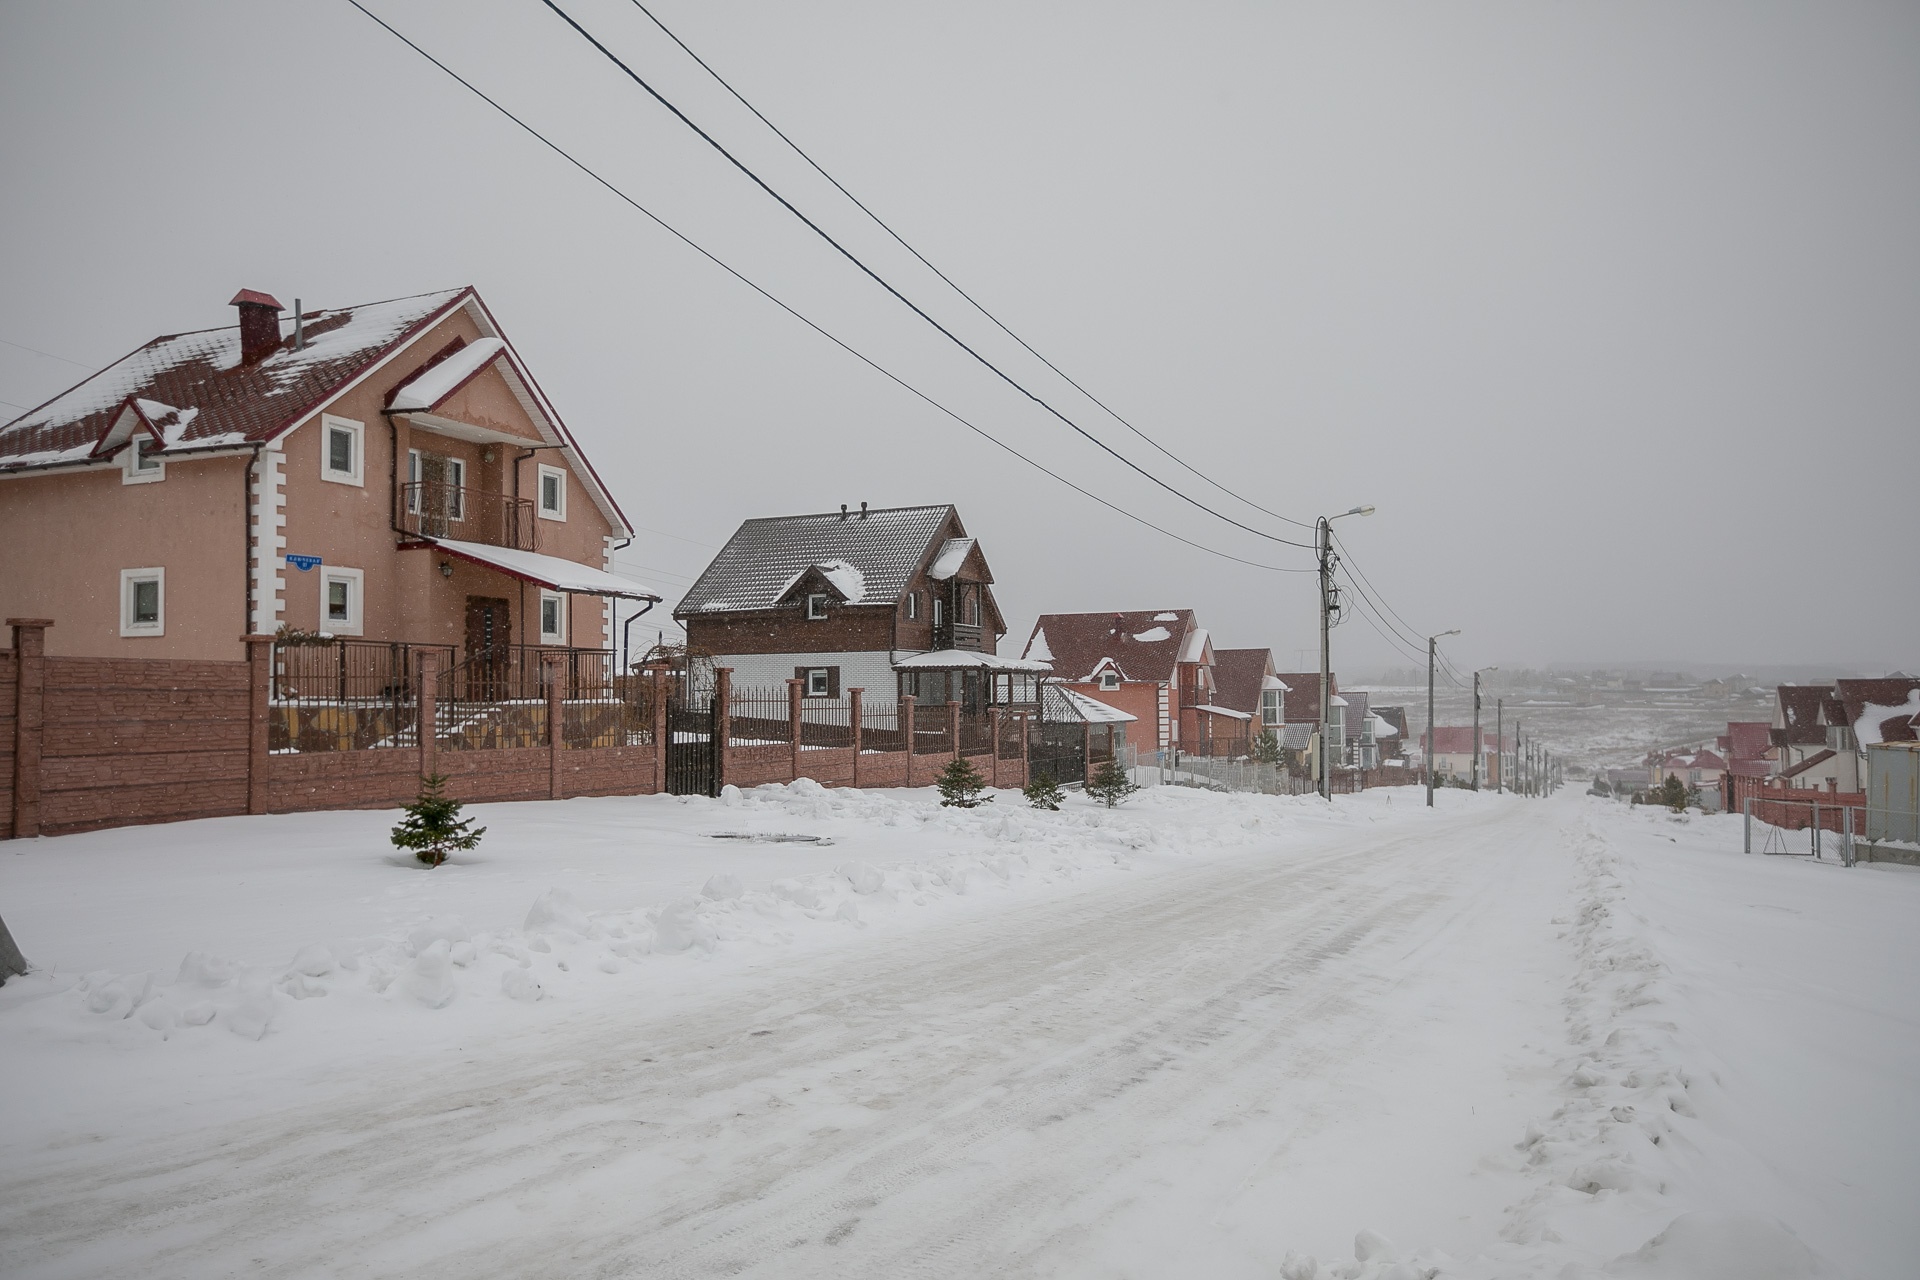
x: 385, y: 472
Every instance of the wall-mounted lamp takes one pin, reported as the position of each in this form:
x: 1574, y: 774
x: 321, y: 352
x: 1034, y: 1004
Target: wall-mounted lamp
x: 446, y: 569
x: 486, y: 455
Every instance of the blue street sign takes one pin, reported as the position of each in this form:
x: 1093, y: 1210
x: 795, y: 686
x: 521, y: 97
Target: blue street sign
x: 303, y: 563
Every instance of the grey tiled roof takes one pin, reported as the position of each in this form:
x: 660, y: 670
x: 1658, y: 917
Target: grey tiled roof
x: 762, y: 557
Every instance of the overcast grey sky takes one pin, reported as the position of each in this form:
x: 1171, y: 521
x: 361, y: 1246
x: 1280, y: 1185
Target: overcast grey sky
x: 1612, y: 310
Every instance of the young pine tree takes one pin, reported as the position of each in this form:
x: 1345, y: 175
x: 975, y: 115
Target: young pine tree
x: 1042, y: 792
x: 1111, y: 785
x: 1673, y: 794
x: 961, y: 784
x: 433, y: 826
x: 1266, y: 748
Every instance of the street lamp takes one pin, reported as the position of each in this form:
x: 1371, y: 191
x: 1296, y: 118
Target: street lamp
x: 1476, y: 725
x: 1426, y: 761
x: 1327, y: 605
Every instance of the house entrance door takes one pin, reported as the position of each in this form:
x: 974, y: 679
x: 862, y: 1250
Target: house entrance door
x: 489, y: 640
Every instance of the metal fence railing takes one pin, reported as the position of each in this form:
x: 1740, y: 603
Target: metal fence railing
x: 1829, y: 831
x: 826, y: 723
x: 880, y: 726
x: 345, y: 695
x: 759, y: 717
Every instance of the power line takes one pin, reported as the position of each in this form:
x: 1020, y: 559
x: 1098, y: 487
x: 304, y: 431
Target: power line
x: 48, y: 354
x: 687, y: 240
x: 902, y: 298
x: 1346, y: 558
x: 948, y: 280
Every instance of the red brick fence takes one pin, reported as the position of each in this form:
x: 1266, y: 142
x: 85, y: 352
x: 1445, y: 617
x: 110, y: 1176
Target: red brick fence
x: 101, y: 742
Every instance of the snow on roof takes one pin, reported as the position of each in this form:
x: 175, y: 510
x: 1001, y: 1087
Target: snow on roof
x: 951, y: 557
x: 548, y: 571
x: 1195, y: 648
x: 759, y: 564
x: 1275, y: 682
x: 1037, y: 647
x: 442, y: 380
x: 200, y: 373
x: 1153, y: 634
x: 1223, y: 711
x: 847, y: 580
x: 1081, y: 642
x: 1871, y: 728
x: 953, y: 659
x: 1381, y: 728
x: 1336, y: 701
x: 1061, y: 703
x: 1166, y: 617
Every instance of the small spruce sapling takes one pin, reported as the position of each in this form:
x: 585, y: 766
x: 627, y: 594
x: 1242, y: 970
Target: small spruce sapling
x: 1111, y: 785
x: 433, y: 826
x: 1673, y: 793
x: 1266, y: 748
x: 1043, y: 792
x: 961, y: 784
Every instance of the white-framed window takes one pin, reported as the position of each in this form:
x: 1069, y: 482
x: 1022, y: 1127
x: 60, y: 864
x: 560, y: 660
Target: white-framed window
x: 819, y: 682
x: 143, y: 602
x: 553, y: 618
x: 1270, y: 707
x: 1109, y: 680
x: 456, y: 471
x: 342, y: 600
x: 817, y: 606
x: 413, y: 481
x: 142, y: 466
x: 342, y: 450
x: 913, y: 605
x: 972, y: 614
x: 939, y: 613
x: 552, y: 503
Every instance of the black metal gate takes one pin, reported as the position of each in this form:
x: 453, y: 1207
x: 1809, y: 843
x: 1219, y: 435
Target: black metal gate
x: 1059, y: 751
x: 693, y: 747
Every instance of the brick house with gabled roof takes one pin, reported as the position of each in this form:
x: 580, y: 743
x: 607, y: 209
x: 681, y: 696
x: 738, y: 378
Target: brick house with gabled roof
x: 388, y: 471
x: 894, y: 601
x: 1245, y: 681
x: 1154, y: 664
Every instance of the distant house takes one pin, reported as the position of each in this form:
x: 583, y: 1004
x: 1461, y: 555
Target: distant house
x: 1821, y: 732
x: 388, y: 472
x: 1747, y: 746
x: 1453, y: 752
x: 1244, y: 681
x: 1156, y: 665
x: 1797, y: 732
x: 1702, y: 769
x: 1301, y: 701
x: 1391, y: 734
x: 896, y: 601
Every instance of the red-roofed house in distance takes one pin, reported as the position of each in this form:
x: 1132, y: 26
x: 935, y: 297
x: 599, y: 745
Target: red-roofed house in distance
x: 1453, y: 753
x: 1154, y: 664
x: 1700, y: 770
x: 383, y: 472
x: 1748, y: 748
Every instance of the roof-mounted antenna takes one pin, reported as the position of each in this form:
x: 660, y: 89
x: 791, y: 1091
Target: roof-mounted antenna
x: 863, y: 511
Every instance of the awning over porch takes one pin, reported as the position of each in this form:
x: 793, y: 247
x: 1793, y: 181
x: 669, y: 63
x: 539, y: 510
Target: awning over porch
x: 961, y: 659
x: 1066, y: 706
x: 547, y: 571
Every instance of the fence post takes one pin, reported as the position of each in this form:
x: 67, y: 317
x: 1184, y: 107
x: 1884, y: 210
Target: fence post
x: 427, y: 727
x: 953, y: 727
x: 658, y: 678
x: 906, y: 725
x: 853, y: 728
x: 1026, y: 736
x: 722, y: 723
x: 30, y: 720
x: 259, y: 709
x: 556, y: 728
x: 1746, y: 807
x: 993, y: 719
x: 795, y: 690
x: 1846, y: 837
x: 1816, y: 828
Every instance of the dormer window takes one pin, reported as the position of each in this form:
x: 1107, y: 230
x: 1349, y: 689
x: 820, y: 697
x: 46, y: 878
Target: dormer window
x: 142, y: 466
x: 817, y: 606
x: 1109, y: 680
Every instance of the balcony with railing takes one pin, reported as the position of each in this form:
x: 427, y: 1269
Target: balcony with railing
x: 431, y: 509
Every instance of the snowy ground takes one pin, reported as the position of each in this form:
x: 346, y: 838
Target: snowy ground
x: 1203, y: 1035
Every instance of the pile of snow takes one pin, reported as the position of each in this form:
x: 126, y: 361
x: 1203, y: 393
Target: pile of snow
x: 1154, y: 635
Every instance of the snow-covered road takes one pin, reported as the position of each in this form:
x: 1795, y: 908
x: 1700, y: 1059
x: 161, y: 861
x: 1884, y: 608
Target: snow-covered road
x: 1217, y: 1036
x: 1110, y: 1082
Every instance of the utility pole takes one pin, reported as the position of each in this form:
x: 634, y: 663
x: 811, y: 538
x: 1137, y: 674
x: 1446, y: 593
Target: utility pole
x: 1426, y: 757
x: 1500, y: 746
x: 1329, y: 605
x: 1478, y: 746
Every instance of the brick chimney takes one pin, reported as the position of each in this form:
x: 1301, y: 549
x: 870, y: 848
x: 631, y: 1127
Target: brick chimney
x: 259, y: 324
